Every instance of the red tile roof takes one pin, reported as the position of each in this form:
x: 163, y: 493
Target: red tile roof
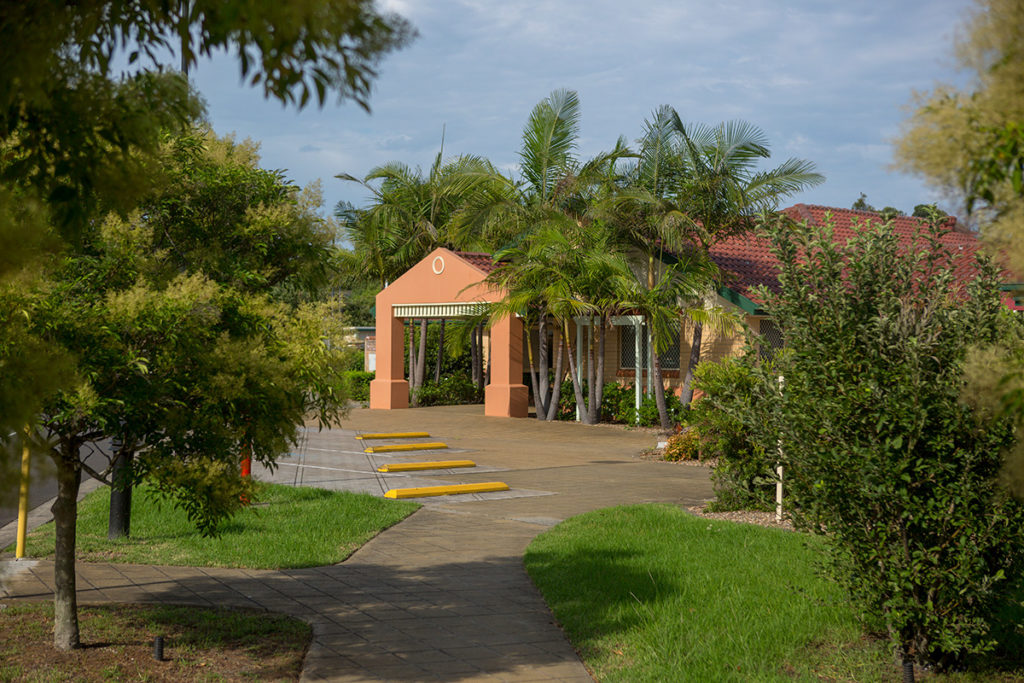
x: 478, y: 259
x: 748, y: 262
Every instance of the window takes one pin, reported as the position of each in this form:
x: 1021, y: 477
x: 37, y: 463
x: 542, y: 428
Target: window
x: 627, y: 349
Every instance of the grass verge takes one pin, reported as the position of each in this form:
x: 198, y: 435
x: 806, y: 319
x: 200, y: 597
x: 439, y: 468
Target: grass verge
x: 199, y: 644
x: 651, y: 593
x: 287, y: 527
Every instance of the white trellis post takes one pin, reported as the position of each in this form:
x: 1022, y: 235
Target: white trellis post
x: 778, y: 466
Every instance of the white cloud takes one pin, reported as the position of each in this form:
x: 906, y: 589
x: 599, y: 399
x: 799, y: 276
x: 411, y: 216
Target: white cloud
x: 826, y: 80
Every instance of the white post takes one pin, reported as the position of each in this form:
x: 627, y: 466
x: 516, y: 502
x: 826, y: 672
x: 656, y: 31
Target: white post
x: 637, y: 364
x: 778, y: 467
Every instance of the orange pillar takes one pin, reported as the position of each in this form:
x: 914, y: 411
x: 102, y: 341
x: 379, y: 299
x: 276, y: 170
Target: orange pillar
x: 506, y: 395
x: 389, y: 389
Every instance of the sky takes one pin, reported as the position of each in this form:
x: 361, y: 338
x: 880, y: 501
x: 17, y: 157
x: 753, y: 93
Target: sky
x: 826, y: 81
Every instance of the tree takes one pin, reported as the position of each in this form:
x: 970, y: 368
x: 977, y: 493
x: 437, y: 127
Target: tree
x: 880, y: 454
x: 80, y: 140
x: 962, y: 140
x: 862, y: 204
x: 664, y: 304
x: 698, y: 185
x: 556, y: 192
x: 969, y: 143
x: 184, y: 369
x: 410, y: 216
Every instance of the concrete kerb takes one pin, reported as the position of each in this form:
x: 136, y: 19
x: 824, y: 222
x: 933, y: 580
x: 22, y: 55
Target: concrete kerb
x: 442, y: 595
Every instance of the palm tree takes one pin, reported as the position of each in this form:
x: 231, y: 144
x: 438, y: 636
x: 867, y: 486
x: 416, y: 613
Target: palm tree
x: 675, y: 289
x: 695, y: 186
x: 555, y: 193
x: 409, y: 217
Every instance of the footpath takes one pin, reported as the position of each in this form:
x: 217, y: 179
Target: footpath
x: 443, y: 595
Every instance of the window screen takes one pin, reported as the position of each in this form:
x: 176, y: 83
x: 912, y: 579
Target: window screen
x: 627, y: 349
x: 773, y: 336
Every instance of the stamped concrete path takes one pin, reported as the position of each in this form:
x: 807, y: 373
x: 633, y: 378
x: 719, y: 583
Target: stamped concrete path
x: 443, y: 595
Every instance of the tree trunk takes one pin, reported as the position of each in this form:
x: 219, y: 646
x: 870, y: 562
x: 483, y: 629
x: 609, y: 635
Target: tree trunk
x: 577, y: 387
x: 481, y: 375
x: 591, y: 360
x: 599, y: 372
x: 421, y: 359
x: 659, y: 393
x: 544, y: 352
x: 65, y: 516
x: 474, y: 357
x: 119, y: 522
x: 556, y: 388
x: 440, y: 354
x: 686, y: 395
x: 533, y: 373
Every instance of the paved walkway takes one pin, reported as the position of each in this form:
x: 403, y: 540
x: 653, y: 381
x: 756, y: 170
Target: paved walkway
x: 442, y: 595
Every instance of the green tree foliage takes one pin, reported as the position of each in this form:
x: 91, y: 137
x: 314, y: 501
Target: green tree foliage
x: 184, y: 362
x: 880, y: 454
x: 79, y: 140
x: 967, y: 141
x: 695, y: 185
x: 78, y: 137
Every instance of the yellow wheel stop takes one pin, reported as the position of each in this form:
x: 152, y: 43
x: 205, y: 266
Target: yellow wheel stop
x: 398, y: 447
x: 418, y: 466
x: 395, y: 435
x: 424, y: 491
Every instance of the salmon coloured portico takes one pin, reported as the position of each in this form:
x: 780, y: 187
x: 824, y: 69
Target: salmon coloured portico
x: 447, y: 284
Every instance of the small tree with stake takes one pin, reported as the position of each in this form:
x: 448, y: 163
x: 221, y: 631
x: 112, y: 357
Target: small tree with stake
x: 881, y: 455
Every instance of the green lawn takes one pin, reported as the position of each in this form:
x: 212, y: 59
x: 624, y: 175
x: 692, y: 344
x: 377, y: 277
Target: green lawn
x: 651, y: 593
x: 287, y: 527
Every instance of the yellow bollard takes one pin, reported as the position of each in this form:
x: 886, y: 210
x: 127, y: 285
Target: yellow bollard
x: 19, y: 551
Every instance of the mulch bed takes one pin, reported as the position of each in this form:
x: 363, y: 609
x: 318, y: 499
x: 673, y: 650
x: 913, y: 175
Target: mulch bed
x: 117, y: 644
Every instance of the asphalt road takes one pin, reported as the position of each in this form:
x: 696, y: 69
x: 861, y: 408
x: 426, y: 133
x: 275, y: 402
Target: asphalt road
x: 43, y: 484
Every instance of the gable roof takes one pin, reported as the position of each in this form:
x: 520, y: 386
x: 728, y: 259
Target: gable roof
x: 747, y: 261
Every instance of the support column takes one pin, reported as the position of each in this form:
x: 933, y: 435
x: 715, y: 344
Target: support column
x: 389, y: 390
x: 506, y: 395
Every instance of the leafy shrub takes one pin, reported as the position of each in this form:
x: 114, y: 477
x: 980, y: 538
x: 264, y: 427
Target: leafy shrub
x: 358, y: 384
x: 881, y: 455
x: 618, y: 405
x: 729, y: 418
x: 452, y: 390
x: 353, y: 359
x: 683, y: 446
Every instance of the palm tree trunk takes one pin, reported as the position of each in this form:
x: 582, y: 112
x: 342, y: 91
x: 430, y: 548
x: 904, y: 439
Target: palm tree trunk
x: 421, y: 359
x: 412, y: 364
x: 556, y: 388
x: 482, y: 373
x: 592, y: 380
x: 686, y: 395
x: 65, y: 517
x: 544, y: 351
x: 440, y: 353
x: 533, y: 374
x: 659, y: 394
x: 599, y: 393
x: 474, y: 360
x: 577, y: 387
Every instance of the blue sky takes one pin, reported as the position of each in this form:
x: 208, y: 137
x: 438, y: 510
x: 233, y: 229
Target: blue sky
x: 827, y: 81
